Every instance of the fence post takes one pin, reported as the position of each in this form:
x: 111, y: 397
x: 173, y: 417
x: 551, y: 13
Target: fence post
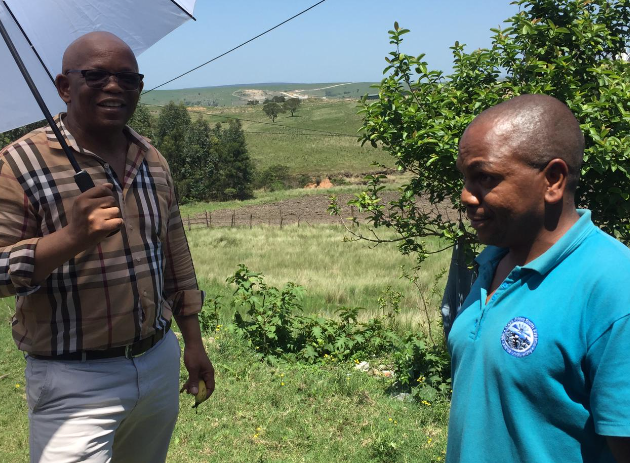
x: 250, y: 221
x: 210, y: 220
x: 280, y: 217
x: 188, y: 222
x: 207, y: 223
x: 233, y: 214
x: 352, y: 214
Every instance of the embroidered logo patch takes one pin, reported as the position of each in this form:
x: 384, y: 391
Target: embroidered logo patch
x: 519, y: 337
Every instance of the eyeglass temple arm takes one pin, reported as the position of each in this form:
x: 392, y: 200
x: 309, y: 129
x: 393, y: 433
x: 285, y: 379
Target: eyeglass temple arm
x: 81, y: 177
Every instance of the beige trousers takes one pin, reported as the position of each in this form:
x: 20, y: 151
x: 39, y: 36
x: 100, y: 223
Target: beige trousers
x: 111, y: 410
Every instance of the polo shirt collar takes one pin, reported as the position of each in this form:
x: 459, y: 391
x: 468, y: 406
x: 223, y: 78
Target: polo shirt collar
x: 53, y: 143
x: 554, y: 255
x: 565, y: 245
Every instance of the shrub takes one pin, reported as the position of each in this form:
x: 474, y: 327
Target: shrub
x: 570, y: 49
x: 271, y: 322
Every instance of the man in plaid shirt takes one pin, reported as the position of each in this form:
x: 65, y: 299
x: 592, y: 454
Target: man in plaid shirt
x: 98, y: 275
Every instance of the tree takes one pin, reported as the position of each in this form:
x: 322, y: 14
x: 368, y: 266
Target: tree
x: 292, y: 105
x: 235, y: 171
x: 200, y: 162
x: 272, y: 109
x: 570, y: 49
x: 141, y: 121
x: 171, y: 134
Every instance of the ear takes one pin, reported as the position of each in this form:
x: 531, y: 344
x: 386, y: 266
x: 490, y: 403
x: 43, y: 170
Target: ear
x: 556, y: 174
x: 63, y: 87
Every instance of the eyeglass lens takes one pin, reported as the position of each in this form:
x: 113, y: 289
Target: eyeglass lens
x: 126, y: 80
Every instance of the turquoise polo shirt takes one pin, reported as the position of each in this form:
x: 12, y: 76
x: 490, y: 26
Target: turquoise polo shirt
x: 542, y: 371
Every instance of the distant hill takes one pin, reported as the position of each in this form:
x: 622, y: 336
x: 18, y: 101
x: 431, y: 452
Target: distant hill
x: 321, y: 140
x: 239, y: 95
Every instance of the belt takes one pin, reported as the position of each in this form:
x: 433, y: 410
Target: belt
x: 129, y: 351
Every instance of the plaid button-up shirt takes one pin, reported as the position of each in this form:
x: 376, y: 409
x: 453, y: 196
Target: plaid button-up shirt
x: 118, y: 292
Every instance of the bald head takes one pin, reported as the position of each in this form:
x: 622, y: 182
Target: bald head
x: 79, y: 51
x: 99, y: 104
x: 539, y: 128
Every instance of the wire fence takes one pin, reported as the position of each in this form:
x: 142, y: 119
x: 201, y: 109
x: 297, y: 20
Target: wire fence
x: 276, y: 216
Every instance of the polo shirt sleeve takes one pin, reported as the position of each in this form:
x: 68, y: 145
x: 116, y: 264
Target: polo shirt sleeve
x: 609, y: 365
x: 18, y: 240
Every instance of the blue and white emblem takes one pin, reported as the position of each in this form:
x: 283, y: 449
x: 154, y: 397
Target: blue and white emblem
x: 519, y: 337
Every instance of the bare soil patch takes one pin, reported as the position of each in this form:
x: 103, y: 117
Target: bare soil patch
x: 310, y: 210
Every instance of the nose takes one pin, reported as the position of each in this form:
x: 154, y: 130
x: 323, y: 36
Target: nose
x: 469, y: 197
x: 112, y: 85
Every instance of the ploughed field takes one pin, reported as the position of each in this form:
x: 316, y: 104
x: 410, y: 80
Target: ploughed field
x: 304, y: 210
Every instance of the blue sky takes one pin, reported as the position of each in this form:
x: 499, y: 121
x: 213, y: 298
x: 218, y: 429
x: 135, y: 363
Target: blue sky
x: 338, y: 41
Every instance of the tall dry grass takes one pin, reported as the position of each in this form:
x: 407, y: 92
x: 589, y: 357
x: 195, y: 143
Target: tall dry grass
x: 334, y: 272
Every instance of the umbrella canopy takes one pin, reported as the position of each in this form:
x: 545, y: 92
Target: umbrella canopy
x: 42, y: 29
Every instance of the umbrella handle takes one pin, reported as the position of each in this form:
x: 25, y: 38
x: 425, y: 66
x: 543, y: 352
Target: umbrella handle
x: 83, y: 181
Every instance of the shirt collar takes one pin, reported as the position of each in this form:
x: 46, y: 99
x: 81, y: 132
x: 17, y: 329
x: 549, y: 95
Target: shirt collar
x: 490, y: 254
x: 53, y: 143
x: 554, y: 255
x: 565, y: 245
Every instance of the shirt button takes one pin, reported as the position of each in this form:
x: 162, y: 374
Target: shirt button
x: 106, y: 166
x: 131, y: 227
x: 144, y: 292
x: 137, y: 259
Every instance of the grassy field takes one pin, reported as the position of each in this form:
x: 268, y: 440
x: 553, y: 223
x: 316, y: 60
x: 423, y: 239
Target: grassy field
x: 238, y: 95
x: 259, y: 413
x: 333, y: 272
x: 308, y: 143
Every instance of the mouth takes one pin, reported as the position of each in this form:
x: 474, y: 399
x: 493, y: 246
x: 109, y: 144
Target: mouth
x: 115, y: 104
x: 477, y: 221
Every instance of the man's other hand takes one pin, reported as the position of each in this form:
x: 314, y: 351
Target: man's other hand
x: 199, y: 368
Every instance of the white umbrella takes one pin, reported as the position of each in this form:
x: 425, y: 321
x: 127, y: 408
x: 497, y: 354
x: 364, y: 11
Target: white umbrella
x: 51, y: 25
x: 40, y: 31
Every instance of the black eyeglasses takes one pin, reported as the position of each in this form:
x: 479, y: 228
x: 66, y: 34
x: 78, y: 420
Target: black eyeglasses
x: 97, y: 78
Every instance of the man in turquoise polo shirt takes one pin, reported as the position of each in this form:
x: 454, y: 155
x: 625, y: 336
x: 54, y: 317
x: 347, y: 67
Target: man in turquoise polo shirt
x: 541, y: 346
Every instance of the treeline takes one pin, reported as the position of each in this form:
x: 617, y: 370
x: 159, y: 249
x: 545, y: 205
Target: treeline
x: 15, y: 134
x: 208, y: 163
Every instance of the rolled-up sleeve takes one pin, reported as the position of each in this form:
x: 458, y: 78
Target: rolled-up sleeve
x: 180, y: 282
x: 18, y: 240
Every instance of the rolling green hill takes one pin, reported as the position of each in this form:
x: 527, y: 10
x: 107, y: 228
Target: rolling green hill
x: 321, y: 140
x: 237, y: 95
